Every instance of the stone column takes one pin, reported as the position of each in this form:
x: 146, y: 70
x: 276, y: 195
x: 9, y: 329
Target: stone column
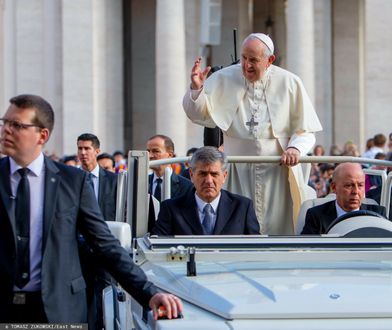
x: 171, y: 72
x: 2, y: 64
x: 8, y: 52
x: 348, y: 71
x: 52, y: 70
x: 92, y: 67
x: 300, y: 41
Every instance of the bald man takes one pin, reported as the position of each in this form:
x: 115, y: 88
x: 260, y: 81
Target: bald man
x: 348, y: 183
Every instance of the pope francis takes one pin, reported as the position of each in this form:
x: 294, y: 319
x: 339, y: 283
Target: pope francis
x: 263, y: 110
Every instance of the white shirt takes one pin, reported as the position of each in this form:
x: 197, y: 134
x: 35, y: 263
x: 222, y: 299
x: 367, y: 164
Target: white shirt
x: 95, y: 178
x: 155, y: 177
x: 36, y: 177
x: 340, y: 211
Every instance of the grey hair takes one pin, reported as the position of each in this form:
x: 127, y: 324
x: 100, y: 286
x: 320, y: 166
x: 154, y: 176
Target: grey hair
x: 267, y: 51
x: 208, y: 155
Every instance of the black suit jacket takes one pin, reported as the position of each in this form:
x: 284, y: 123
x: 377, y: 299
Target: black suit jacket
x: 69, y: 206
x: 179, y: 185
x: 107, y: 194
x: 179, y: 216
x: 319, y: 218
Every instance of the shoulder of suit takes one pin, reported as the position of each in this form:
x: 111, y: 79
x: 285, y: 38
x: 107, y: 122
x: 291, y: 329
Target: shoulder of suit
x: 323, y: 206
x: 183, y: 179
x: 65, y: 169
x: 108, y: 173
x: 235, y: 196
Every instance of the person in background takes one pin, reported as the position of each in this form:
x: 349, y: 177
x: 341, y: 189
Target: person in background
x: 120, y: 163
x: 70, y: 160
x: 106, y: 161
x: 161, y: 147
x: 185, y: 170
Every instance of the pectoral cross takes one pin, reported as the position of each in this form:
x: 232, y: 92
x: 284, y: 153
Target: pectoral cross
x: 251, y: 123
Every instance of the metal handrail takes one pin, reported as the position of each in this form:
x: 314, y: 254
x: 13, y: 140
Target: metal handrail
x: 139, y: 164
x: 276, y: 159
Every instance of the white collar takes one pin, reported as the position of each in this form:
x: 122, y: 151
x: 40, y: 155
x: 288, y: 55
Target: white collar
x: 35, y: 166
x: 161, y: 177
x: 95, y: 171
x: 340, y: 211
x: 200, y: 203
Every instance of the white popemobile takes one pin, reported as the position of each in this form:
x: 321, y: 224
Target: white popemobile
x: 341, y: 280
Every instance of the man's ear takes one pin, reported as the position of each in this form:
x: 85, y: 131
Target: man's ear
x: 97, y: 151
x: 333, y: 187
x: 271, y: 59
x: 191, y: 174
x: 44, y: 136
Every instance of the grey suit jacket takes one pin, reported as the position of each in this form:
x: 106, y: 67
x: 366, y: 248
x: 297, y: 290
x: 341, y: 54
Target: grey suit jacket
x: 179, y: 216
x: 319, y: 218
x: 69, y: 206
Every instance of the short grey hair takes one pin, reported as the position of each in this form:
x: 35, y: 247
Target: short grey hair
x: 208, y: 155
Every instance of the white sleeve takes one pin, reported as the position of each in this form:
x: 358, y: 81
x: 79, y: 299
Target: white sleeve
x: 303, y: 142
x: 195, y: 107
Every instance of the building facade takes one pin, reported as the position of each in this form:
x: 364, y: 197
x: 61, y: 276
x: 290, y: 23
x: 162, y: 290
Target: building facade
x: 119, y: 68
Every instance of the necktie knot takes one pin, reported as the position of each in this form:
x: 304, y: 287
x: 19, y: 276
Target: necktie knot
x: 23, y: 172
x: 208, y: 209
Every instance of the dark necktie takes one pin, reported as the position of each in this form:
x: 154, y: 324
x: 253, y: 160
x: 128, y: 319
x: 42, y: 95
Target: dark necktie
x: 91, y: 177
x: 208, y: 221
x: 157, y: 192
x: 22, y: 220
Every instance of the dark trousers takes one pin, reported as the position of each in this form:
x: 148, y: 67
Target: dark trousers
x: 27, y: 307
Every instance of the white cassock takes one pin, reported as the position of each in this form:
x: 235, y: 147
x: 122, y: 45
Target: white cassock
x: 284, y: 117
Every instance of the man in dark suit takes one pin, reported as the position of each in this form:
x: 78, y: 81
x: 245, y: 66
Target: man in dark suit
x: 161, y: 147
x: 207, y: 209
x: 348, y: 183
x: 43, y: 282
x: 105, y: 182
x: 105, y: 189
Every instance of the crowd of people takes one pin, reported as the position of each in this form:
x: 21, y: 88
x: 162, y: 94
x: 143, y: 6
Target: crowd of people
x: 377, y: 147
x: 56, y: 249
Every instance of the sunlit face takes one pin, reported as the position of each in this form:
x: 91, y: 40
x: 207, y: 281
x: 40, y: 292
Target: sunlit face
x: 349, y: 186
x: 21, y: 142
x: 208, y: 180
x: 253, y: 60
x: 157, y: 150
x: 87, y: 155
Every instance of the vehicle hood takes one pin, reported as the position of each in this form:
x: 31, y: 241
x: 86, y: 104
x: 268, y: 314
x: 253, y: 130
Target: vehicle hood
x: 255, y: 290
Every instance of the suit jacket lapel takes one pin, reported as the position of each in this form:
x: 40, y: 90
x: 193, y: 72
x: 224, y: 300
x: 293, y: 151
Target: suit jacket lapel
x: 191, y: 215
x: 52, y: 180
x: 102, y: 181
x: 330, y: 214
x: 175, y: 184
x: 5, y: 191
x: 150, y: 178
x: 224, y: 211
